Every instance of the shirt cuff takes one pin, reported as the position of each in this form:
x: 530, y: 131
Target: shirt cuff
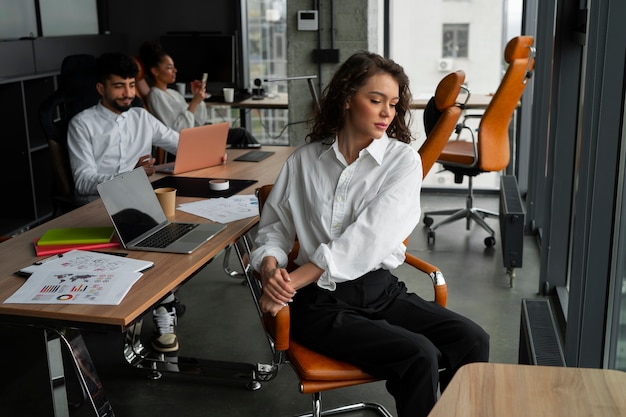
x: 257, y: 255
x: 319, y: 258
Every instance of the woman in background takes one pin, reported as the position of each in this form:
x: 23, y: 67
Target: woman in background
x: 169, y: 105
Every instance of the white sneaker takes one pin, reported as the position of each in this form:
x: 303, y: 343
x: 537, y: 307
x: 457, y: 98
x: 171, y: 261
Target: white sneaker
x: 164, y: 338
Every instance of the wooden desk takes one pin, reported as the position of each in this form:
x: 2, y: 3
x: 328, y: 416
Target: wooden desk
x: 476, y: 101
x: 279, y: 102
x: 169, y: 272
x: 496, y: 390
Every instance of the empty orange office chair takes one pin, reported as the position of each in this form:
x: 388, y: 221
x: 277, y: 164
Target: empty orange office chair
x: 488, y: 151
x: 444, y: 110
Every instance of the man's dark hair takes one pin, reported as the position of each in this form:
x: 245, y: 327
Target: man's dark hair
x: 118, y: 64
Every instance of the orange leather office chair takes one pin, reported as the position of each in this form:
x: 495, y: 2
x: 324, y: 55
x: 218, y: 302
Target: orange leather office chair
x: 142, y: 89
x: 316, y: 372
x: 489, y: 150
x: 444, y: 110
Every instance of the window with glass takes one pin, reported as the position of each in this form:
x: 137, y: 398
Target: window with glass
x: 455, y: 40
x: 617, y: 332
x: 267, y: 45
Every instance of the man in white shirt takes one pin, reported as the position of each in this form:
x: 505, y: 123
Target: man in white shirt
x: 113, y: 137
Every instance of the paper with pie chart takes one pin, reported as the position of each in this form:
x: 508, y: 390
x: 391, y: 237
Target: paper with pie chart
x: 75, y: 287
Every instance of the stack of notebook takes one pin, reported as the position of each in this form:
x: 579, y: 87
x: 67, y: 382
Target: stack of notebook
x: 61, y: 240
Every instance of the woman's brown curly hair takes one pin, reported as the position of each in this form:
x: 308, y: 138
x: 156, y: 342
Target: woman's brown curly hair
x: 348, y: 78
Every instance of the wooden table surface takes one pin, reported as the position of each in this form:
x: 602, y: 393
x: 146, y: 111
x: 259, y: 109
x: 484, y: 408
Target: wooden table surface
x: 170, y: 270
x: 281, y: 101
x: 476, y: 101
x: 503, y: 390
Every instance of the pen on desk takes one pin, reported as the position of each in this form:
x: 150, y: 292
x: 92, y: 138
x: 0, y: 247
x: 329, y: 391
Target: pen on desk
x: 43, y: 261
x: 110, y: 253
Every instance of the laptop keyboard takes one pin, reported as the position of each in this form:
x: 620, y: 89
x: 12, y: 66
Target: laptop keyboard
x: 166, y: 235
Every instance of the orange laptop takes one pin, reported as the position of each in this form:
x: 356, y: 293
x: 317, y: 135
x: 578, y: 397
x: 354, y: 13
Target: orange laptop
x: 198, y: 147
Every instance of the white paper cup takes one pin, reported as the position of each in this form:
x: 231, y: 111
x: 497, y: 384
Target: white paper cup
x: 229, y: 95
x: 181, y: 88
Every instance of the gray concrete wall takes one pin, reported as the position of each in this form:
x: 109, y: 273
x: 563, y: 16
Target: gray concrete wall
x: 347, y: 30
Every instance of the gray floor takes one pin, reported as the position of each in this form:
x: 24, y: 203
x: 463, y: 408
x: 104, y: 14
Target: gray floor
x: 221, y: 324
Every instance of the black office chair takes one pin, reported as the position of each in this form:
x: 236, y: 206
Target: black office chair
x: 76, y: 92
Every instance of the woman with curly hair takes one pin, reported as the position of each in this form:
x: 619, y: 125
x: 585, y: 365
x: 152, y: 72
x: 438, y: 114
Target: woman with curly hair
x: 352, y: 195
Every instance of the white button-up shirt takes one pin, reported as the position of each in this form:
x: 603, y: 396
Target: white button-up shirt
x: 172, y: 109
x: 349, y: 219
x: 102, y: 143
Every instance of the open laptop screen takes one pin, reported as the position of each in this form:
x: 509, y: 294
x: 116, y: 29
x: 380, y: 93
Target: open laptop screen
x: 132, y: 203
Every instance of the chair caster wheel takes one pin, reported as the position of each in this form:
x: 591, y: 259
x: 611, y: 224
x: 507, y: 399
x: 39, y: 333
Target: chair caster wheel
x: 490, y: 241
x: 428, y: 221
x: 431, y: 237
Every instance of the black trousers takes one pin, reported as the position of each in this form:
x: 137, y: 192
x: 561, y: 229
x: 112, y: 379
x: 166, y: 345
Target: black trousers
x: 374, y: 323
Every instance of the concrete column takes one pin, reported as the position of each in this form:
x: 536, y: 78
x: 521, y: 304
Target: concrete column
x: 344, y: 25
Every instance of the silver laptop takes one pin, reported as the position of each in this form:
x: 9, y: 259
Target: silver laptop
x: 140, y: 221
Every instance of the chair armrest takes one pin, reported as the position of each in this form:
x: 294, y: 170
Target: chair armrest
x: 278, y: 327
x: 439, y: 283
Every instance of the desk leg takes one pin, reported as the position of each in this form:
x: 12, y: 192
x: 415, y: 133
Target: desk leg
x: 85, y: 369
x: 138, y: 356
x: 58, y: 389
x: 242, y: 246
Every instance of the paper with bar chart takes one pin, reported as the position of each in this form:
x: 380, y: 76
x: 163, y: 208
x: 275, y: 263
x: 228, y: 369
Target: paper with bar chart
x: 74, y: 287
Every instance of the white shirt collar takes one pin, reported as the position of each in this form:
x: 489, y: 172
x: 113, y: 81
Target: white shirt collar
x: 110, y: 114
x: 376, y: 149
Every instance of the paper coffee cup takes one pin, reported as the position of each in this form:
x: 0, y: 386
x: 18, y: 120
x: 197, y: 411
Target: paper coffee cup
x: 167, y: 199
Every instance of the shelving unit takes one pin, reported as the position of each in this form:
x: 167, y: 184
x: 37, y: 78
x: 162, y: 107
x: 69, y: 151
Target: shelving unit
x: 28, y: 76
x: 27, y: 179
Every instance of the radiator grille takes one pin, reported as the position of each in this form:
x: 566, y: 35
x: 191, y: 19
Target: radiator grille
x: 539, y: 339
x: 511, y: 223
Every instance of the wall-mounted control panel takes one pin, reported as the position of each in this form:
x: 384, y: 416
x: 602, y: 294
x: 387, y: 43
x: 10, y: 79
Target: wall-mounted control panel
x: 307, y: 20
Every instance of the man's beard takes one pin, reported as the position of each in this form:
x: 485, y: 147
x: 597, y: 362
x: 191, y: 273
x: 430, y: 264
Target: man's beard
x: 119, y: 107
x: 115, y: 105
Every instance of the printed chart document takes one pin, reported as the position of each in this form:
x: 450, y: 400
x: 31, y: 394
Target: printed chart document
x: 82, y: 260
x: 79, y: 277
x: 224, y: 210
x: 74, y: 287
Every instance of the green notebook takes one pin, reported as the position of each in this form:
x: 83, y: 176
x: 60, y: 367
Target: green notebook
x: 76, y: 235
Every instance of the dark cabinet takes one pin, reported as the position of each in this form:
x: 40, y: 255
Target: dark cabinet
x: 28, y: 75
x: 26, y: 179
